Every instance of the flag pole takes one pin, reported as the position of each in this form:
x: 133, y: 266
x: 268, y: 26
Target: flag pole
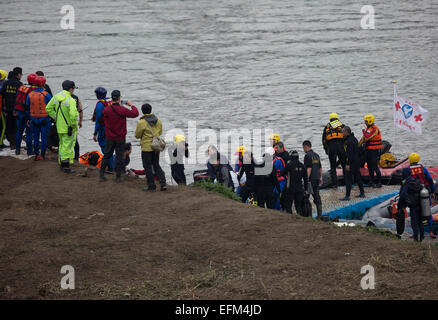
x: 393, y: 105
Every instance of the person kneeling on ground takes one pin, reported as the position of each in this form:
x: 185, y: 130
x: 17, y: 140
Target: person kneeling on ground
x: 176, y: 153
x: 148, y: 127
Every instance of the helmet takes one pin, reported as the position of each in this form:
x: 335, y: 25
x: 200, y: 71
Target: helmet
x: 333, y: 115
x: 3, y: 74
x: 293, y: 154
x: 369, y: 119
x: 179, y: 138
x: 100, y: 93
x: 275, y: 137
x: 40, y: 81
x: 241, y: 149
x: 414, y: 158
x: 31, y: 78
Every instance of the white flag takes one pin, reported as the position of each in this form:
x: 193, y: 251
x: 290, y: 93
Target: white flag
x: 408, y: 115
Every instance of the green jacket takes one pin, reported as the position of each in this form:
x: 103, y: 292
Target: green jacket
x: 68, y: 108
x: 143, y: 132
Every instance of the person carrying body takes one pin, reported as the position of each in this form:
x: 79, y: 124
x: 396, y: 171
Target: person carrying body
x: 352, y: 167
x: 332, y: 140
x: 279, y: 164
x: 36, y: 103
x: 247, y: 168
x: 296, y: 184
x: 62, y: 108
x: 265, y: 184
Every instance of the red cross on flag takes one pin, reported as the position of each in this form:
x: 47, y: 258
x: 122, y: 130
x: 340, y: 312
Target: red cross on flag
x: 408, y: 115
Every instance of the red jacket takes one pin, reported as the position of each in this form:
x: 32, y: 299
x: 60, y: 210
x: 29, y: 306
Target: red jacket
x: 115, y: 120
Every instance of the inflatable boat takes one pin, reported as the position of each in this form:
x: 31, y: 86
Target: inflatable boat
x: 390, y: 168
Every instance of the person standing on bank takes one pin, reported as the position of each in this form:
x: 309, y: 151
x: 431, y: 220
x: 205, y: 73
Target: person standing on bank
x: 373, y: 141
x: 313, y: 166
x: 148, y: 127
x: 115, y: 132
x: 352, y: 168
x: 333, y: 145
x: 62, y: 108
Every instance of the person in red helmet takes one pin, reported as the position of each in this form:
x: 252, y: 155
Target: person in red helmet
x: 36, y: 103
x: 21, y: 115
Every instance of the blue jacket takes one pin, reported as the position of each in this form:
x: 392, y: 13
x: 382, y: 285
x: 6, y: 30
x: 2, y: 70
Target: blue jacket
x: 98, y: 126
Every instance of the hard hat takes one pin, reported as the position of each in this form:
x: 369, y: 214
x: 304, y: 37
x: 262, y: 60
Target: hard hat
x: 40, y: 81
x: 275, y: 137
x: 31, y: 78
x: 100, y: 93
x: 3, y: 74
x: 414, y: 158
x: 179, y: 138
x: 369, y: 119
x: 333, y: 115
x: 240, y: 149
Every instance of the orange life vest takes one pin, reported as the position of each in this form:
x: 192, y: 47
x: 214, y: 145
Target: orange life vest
x: 334, y: 130
x: 38, y: 104
x: 376, y: 141
x: 85, y: 158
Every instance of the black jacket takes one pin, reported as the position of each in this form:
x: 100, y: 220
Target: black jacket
x: 297, y: 174
x: 352, y: 151
x: 9, y: 93
x: 268, y: 181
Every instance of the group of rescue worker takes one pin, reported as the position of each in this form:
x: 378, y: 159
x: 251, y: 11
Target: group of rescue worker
x: 33, y: 109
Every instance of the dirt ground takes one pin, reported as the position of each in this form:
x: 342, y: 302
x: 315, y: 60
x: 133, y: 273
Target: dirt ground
x: 184, y: 244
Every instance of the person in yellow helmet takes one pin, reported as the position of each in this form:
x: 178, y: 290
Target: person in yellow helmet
x: 176, y: 152
x: 372, y: 139
x: 332, y: 141
x: 274, y: 139
x: 3, y: 75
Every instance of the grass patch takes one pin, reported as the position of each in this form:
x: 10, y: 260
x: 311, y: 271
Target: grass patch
x: 381, y: 232
x: 218, y: 188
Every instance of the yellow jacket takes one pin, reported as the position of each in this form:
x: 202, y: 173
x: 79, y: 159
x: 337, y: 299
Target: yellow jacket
x: 143, y: 132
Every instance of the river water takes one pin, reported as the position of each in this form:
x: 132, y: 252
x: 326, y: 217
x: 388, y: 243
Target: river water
x: 235, y: 64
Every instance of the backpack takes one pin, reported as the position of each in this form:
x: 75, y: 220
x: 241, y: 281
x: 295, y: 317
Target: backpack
x: 101, y: 120
x: 413, y: 195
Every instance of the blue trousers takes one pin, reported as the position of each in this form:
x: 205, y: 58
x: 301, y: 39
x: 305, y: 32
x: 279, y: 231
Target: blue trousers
x: 21, y: 128
x: 101, y: 139
x: 277, y: 204
x: 40, y: 128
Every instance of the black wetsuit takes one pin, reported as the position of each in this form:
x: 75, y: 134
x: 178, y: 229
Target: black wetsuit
x: 295, y: 186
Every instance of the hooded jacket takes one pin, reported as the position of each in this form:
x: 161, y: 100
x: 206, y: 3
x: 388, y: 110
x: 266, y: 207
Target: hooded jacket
x: 66, y: 111
x: 144, y: 133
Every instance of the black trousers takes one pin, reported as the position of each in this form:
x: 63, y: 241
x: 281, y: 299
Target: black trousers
x: 151, y: 159
x: 354, y: 173
x: 76, y: 149
x: 400, y: 222
x: 110, y: 146
x: 178, y: 173
x: 265, y: 196
x: 11, y: 129
x: 290, y: 198
x: 372, y: 161
x: 336, y: 151
x: 316, y: 196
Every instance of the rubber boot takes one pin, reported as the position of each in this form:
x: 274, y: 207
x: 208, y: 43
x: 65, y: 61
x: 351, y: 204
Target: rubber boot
x: 319, y: 211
